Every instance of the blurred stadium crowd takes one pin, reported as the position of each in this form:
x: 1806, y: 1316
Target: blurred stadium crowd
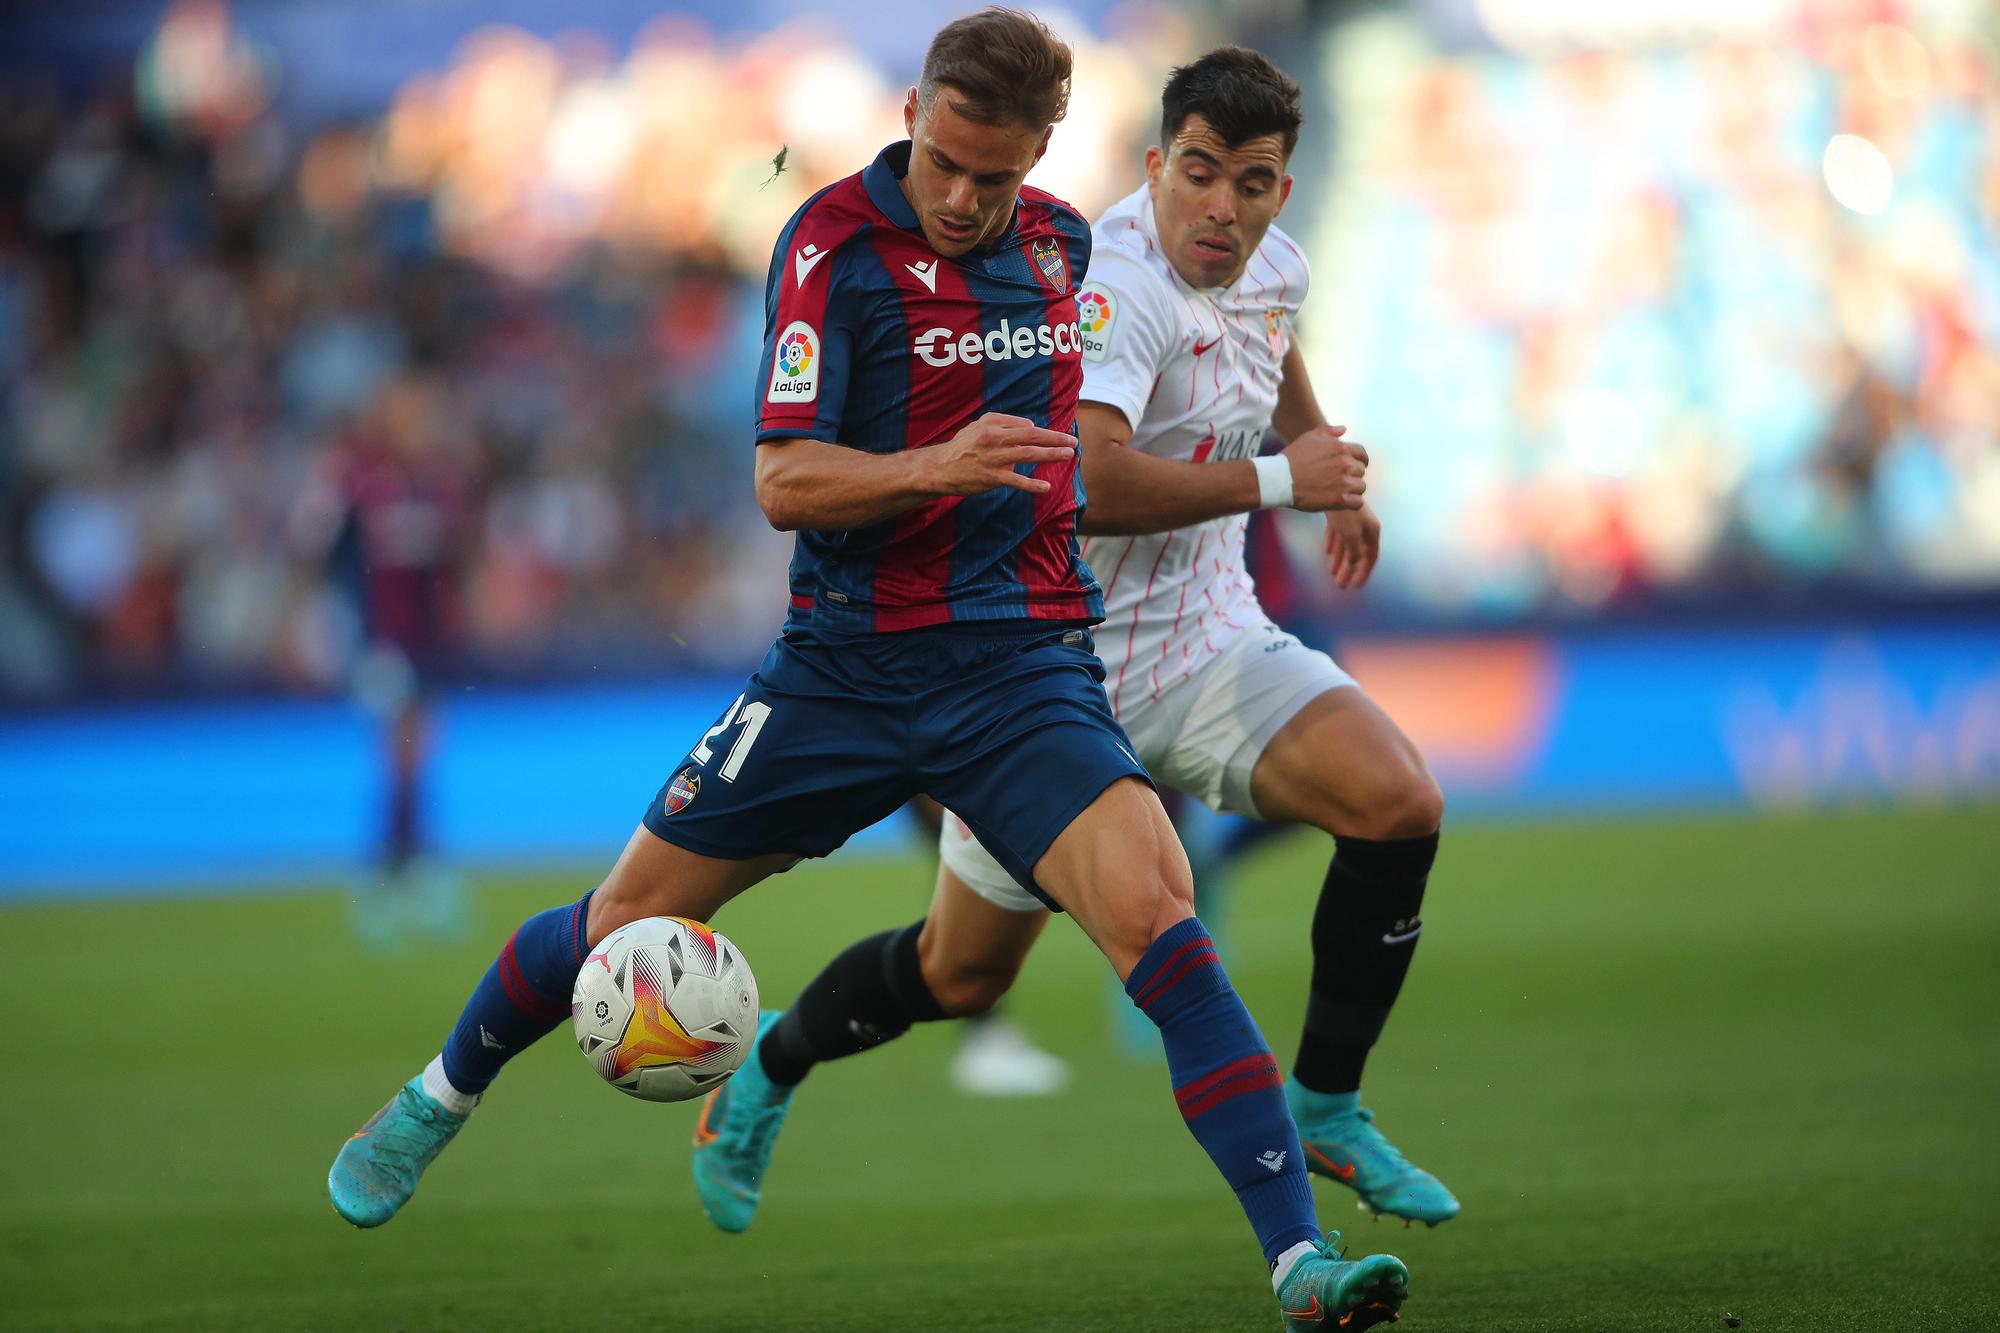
x: 482, y: 365
x: 473, y: 378
x: 1685, y: 317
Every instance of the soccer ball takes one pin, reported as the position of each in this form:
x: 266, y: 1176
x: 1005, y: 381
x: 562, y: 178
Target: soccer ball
x: 664, y: 1009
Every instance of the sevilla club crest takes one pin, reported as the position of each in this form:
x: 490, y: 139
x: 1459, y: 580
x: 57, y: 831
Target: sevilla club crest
x: 1049, y: 255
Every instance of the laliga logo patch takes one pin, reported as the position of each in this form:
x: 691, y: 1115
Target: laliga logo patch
x: 1274, y: 329
x: 683, y: 789
x: 1094, y: 312
x: 1049, y: 255
x: 795, y: 367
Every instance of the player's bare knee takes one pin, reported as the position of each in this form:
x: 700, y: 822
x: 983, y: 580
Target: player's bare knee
x: 967, y: 992
x: 618, y: 901
x: 1141, y: 911
x: 963, y: 987
x: 1411, y: 807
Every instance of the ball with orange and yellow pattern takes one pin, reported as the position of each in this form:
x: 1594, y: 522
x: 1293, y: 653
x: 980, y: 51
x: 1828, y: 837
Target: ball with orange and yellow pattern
x: 665, y: 1008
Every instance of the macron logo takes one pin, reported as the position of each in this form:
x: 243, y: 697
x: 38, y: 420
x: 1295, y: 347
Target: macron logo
x: 1274, y: 1160
x: 926, y: 274
x: 486, y: 1040
x: 803, y: 261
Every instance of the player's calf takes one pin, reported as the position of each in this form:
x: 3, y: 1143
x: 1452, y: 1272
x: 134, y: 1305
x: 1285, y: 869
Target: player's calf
x: 1227, y: 1085
x: 872, y: 993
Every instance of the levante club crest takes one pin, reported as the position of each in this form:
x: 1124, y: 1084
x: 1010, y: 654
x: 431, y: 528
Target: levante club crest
x: 1049, y: 255
x: 684, y: 788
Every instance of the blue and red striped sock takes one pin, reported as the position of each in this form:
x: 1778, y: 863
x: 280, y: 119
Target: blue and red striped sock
x: 1227, y: 1083
x: 522, y: 998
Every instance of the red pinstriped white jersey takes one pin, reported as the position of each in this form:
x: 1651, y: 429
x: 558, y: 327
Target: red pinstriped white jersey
x: 1196, y: 372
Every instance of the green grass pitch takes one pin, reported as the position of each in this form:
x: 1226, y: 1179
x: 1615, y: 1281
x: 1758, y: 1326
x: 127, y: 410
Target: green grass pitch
x: 1675, y: 1069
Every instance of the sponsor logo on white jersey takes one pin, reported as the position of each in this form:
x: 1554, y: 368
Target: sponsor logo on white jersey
x: 1230, y: 445
x: 795, y: 364
x: 943, y: 347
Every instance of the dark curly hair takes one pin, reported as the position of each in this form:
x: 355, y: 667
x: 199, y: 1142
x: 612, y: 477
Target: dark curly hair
x: 1238, y: 92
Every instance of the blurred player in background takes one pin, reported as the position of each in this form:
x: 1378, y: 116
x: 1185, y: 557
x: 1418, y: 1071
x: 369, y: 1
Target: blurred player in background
x: 921, y: 369
x: 1188, y: 362
x: 391, y: 510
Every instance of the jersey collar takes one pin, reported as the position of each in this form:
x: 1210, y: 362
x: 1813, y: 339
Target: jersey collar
x: 882, y: 177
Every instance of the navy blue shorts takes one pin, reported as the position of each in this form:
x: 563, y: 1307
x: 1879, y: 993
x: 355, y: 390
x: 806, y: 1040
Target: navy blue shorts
x: 1005, y: 724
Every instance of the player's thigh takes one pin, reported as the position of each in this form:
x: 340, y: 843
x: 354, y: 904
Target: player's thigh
x: 976, y: 935
x: 1118, y: 868
x: 1232, y: 709
x: 653, y: 877
x: 1342, y: 764
x: 1021, y: 752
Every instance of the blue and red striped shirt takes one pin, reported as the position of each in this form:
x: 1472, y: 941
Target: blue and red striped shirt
x: 874, y: 341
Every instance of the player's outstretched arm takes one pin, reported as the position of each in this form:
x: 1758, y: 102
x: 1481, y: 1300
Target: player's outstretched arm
x: 823, y: 487
x: 1132, y: 492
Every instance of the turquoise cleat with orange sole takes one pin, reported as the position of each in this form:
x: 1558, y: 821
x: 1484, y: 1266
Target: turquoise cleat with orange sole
x: 1328, y: 1290
x: 733, y: 1139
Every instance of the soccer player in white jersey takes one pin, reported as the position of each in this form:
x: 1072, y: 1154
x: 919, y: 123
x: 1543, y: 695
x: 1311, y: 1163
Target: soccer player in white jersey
x: 1189, y: 361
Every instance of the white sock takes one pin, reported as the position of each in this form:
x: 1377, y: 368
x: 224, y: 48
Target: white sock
x: 438, y: 1088
x: 1282, y: 1269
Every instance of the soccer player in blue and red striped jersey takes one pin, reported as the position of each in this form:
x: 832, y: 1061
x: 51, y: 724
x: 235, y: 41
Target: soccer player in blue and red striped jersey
x: 915, y: 407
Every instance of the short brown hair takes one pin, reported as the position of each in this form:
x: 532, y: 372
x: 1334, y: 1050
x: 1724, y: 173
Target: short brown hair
x: 1002, y: 66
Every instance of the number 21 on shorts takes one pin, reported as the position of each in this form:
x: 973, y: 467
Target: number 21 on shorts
x: 752, y: 716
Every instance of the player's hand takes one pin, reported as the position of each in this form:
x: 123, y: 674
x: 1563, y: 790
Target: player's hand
x: 1353, y: 540
x: 983, y: 456
x: 1328, y: 472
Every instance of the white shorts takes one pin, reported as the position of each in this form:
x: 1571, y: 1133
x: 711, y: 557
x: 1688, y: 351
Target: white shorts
x: 1202, y: 737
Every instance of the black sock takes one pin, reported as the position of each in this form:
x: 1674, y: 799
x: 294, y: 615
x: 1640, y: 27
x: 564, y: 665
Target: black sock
x: 1364, y: 932
x: 869, y: 995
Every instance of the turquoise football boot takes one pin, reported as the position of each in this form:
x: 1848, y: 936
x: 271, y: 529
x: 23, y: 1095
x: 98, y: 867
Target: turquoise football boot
x: 1348, y: 1148
x: 1327, y: 1290
x: 732, y: 1140
x: 378, y: 1169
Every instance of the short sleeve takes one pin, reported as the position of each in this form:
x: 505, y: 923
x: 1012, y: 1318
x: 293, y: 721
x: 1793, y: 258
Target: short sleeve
x: 1127, y: 336
x: 811, y: 317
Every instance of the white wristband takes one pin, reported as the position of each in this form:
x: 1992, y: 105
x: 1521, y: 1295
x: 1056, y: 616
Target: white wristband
x: 1274, y: 481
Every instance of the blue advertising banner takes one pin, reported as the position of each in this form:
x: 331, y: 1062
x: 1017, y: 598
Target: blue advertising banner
x: 187, y: 798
